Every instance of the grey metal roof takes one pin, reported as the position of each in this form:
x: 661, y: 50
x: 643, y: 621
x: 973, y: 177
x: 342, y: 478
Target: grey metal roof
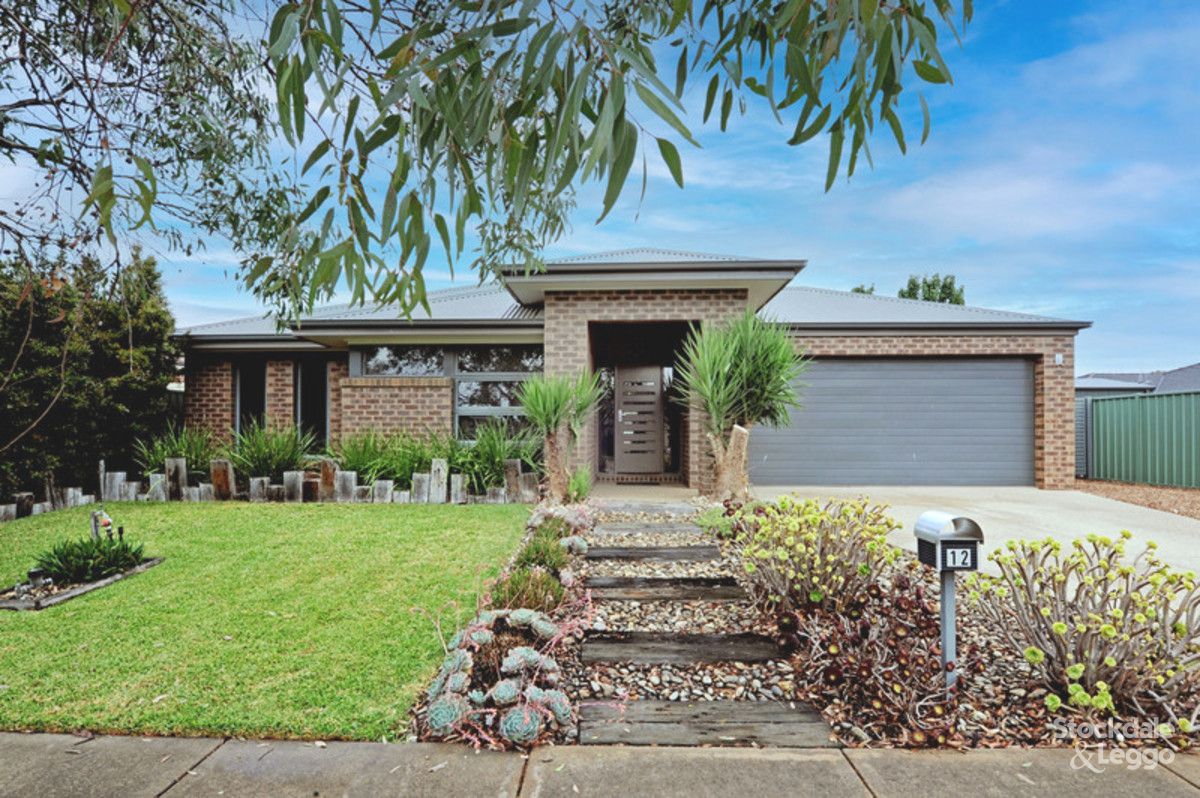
x: 649, y: 255
x: 1181, y: 380
x: 822, y: 307
x: 465, y: 304
x: 1089, y: 383
x: 799, y: 306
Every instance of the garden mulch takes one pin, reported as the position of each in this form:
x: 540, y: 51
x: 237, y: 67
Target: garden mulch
x: 1180, y: 501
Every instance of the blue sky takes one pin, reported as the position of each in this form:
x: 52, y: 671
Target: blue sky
x: 1061, y: 177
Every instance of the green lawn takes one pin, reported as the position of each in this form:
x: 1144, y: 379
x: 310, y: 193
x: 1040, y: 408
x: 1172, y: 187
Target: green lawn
x: 264, y: 620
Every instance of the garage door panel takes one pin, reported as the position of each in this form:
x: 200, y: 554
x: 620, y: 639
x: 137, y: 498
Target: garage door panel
x: 904, y: 422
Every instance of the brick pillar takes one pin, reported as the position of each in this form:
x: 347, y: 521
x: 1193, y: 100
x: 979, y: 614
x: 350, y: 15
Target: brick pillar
x: 1054, y: 417
x: 338, y: 370
x: 281, y: 394
x: 208, y: 396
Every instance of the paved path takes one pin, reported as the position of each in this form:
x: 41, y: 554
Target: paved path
x: 51, y: 765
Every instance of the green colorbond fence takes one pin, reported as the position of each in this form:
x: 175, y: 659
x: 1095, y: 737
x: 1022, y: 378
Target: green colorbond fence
x: 1153, y: 440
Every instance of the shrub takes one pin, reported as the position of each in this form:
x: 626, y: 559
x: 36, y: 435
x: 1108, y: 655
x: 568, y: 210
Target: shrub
x: 534, y: 588
x: 360, y: 452
x: 720, y: 521
x: 799, y: 554
x: 878, y: 663
x: 580, y: 485
x: 196, y: 445
x: 259, y: 450
x: 1102, y: 632
x: 495, y: 443
x: 543, y: 550
x: 89, y: 559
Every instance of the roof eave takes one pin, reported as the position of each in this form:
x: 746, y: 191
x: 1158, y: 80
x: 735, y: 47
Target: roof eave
x: 1050, y: 324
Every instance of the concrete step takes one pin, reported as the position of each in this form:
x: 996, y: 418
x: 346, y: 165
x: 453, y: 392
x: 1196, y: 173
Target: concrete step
x: 717, y: 723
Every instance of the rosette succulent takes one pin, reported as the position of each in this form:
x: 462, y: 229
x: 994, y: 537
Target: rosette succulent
x: 505, y: 692
x: 446, y: 713
x: 574, y: 544
x: 521, y: 725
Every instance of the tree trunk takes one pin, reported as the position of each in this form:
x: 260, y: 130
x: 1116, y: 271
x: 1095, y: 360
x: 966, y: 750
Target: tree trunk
x: 720, y: 485
x: 556, y: 467
x: 737, y: 455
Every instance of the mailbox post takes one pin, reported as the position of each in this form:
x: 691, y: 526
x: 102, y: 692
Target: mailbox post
x: 949, y: 544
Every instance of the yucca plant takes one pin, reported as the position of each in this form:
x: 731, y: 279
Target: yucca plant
x: 259, y: 450
x: 198, y: 446
x: 739, y: 374
x: 557, y: 407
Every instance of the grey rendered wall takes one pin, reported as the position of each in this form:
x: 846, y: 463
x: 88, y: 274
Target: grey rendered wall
x: 911, y: 421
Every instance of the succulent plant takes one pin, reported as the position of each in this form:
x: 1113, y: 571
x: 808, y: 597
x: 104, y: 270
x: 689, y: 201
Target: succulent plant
x: 457, y: 660
x: 574, y: 544
x: 435, y: 688
x: 559, y: 705
x: 446, y: 713
x: 520, y: 618
x: 455, y: 641
x: 457, y: 682
x: 481, y: 637
x: 505, y: 692
x: 477, y: 697
x: 521, y: 725
x: 535, y: 694
x: 544, y: 628
x: 520, y: 658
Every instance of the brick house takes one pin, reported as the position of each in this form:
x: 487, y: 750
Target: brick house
x: 898, y: 392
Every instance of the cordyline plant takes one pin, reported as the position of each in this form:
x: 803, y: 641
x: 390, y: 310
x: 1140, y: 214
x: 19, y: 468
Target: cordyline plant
x: 738, y: 374
x: 558, y: 407
x: 1107, y: 634
x: 800, y: 554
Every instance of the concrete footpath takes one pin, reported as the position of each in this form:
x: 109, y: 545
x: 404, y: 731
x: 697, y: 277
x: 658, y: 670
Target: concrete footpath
x: 51, y: 765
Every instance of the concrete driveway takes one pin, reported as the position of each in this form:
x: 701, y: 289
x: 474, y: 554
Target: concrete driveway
x: 1012, y: 513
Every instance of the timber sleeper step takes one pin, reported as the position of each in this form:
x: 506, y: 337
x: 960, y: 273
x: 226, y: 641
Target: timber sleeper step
x: 719, y: 723
x: 655, y: 553
x: 678, y: 649
x: 685, y: 588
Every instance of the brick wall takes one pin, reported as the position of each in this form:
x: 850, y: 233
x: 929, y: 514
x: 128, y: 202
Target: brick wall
x: 281, y: 394
x: 396, y: 404
x: 208, y: 396
x: 338, y: 371
x: 1053, y: 384
x: 568, y: 346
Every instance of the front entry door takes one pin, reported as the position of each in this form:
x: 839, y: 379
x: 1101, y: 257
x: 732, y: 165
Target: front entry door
x: 639, y: 444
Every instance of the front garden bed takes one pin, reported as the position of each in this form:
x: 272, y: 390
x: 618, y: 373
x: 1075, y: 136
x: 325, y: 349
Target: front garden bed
x: 49, y: 595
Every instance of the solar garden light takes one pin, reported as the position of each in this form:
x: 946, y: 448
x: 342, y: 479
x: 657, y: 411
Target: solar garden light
x: 949, y: 544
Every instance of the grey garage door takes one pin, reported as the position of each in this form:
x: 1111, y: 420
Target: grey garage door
x: 904, y: 422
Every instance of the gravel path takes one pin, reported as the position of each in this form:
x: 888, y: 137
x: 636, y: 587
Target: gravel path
x: 1181, y: 501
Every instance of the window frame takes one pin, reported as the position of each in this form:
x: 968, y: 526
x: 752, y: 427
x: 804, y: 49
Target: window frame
x: 450, y: 370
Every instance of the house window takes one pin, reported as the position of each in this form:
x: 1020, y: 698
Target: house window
x: 250, y: 393
x: 404, y: 361
x: 487, y: 379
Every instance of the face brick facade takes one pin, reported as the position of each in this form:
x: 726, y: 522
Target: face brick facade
x: 569, y: 350
x: 208, y: 400
x: 397, y: 404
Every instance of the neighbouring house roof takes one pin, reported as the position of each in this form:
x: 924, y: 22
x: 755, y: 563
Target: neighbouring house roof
x: 1181, y: 380
x: 492, y: 311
